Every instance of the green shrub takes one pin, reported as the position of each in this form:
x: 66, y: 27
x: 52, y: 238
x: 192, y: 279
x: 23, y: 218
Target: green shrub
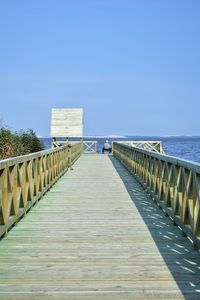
x: 7, y: 143
x: 18, y: 143
x: 30, y: 142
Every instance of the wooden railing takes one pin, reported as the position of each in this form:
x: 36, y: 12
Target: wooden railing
x: 90, y: 147
x: 25, y: 179
x: 75, y: 150
x: 155, y: 146
x: 172, y: 182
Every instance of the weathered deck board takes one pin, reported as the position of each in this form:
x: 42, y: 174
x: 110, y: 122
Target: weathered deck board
x: 95, y: 235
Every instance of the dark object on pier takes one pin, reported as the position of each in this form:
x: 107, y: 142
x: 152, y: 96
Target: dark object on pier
x: 107, y: 147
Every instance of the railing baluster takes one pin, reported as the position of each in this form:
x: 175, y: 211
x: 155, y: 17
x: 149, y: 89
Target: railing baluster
x: 24, y: 180
x: 174, y: 183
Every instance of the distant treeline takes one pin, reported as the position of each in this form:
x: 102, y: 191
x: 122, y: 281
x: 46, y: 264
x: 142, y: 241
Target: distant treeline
x: 18, y: 143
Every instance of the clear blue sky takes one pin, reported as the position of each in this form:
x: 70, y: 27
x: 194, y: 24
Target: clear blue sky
x: 133, y: 65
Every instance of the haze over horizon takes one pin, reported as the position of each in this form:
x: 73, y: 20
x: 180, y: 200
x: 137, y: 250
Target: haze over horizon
x: 132, y: 65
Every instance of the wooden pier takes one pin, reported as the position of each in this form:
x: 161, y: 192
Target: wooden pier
x: 96, y: 234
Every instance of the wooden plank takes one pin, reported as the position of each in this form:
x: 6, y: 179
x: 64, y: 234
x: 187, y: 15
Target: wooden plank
x: 97, y: 235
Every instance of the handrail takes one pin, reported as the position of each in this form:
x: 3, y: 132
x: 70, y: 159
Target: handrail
x: 76, y: 149
x: 90, y: 147
x: 172, y: 182
x: 155, y: 146
x: 25, y: 179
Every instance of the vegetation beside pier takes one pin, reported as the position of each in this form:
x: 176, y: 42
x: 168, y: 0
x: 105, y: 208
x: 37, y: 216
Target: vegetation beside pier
x: 18, y: 143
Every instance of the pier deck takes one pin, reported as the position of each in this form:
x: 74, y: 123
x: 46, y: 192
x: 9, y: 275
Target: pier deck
x: 97, y: 235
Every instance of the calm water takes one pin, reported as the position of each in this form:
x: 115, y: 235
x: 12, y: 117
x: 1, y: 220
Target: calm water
x: 184, y: 147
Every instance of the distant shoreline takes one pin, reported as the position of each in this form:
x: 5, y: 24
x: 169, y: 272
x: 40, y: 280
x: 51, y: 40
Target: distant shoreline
x: 130, y: 136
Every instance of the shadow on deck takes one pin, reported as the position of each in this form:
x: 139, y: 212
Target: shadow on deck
x: 177, y: 251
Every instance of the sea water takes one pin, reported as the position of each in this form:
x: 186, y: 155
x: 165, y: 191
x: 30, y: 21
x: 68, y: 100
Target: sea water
x: 184, y: 147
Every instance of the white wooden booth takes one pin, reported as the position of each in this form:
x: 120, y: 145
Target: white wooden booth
x: 67, y: 122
